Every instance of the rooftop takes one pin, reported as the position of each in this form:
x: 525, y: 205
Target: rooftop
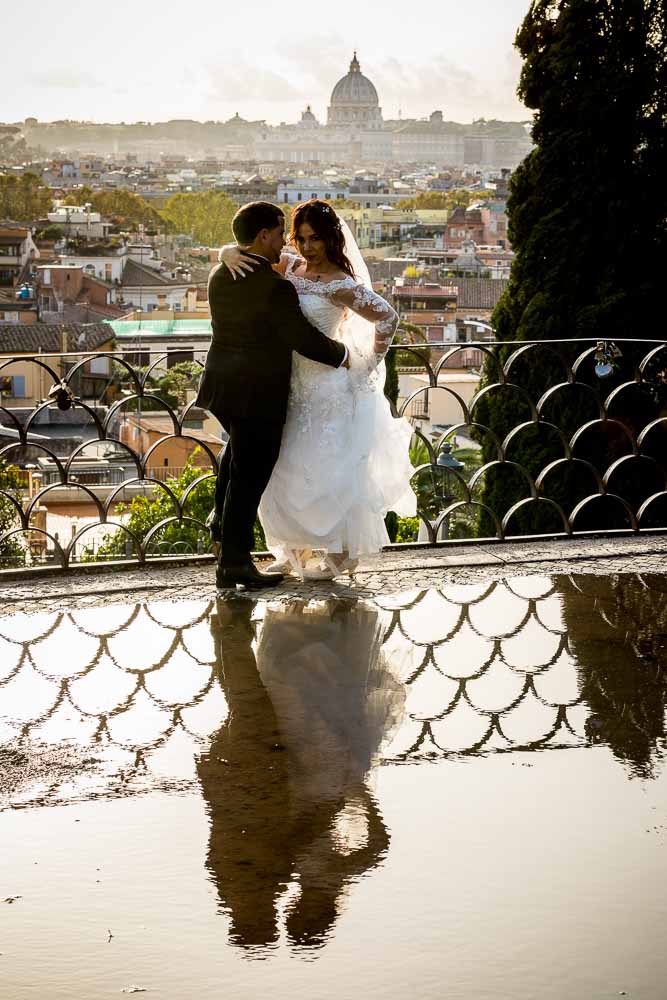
x: 161, y: 327
x: 137, y: 275
x: 424, y: 291
x: 479, y: 293
x: 36, y: 338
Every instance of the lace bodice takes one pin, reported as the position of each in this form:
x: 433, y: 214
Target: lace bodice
x: 345, y: 293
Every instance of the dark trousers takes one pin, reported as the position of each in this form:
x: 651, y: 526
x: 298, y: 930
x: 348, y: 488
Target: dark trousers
x: 244, y: 473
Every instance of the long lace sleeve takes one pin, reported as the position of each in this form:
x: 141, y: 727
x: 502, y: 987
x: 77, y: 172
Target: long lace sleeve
x: 372, y: 307
x: 288, y: 261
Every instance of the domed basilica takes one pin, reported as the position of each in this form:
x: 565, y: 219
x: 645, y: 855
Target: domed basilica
x: 354, y: 129
x: 354, y: 101
x: 355, y: 132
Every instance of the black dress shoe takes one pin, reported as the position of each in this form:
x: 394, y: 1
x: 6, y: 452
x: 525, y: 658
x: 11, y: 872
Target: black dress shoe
x: 247, y: 575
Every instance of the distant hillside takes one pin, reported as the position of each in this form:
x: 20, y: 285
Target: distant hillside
x: 187, y: 137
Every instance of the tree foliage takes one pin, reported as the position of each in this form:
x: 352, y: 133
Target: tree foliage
x: 145, y: 512
x: 170, y: 385
x: 586, y: 213
x: 24, y: 198
x: 588, y: 205
x: 622, y: 670
x: 13, y: 146
x: 12, y: 553
x: 207, y: 216
x: 444, y: 200
x: 124, y: 208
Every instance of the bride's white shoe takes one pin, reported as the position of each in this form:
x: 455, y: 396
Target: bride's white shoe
x: 292, y: 562
x: 331, y: 566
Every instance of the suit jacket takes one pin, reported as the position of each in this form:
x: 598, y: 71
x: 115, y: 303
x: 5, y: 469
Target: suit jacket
x: 257, y: 323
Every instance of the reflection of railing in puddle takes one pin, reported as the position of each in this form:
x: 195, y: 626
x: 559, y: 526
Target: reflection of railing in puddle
x: 276, y: 713
x: 485, y: 668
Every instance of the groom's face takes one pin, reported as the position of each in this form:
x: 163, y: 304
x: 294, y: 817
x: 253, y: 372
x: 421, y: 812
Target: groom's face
x: 274, y: 241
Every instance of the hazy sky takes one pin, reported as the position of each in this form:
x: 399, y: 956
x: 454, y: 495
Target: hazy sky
x: 157, y: 59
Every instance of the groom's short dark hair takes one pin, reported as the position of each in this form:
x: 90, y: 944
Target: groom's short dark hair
x: 252, y: 218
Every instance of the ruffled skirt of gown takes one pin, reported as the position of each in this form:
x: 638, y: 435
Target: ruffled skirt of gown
x: 344, y: 460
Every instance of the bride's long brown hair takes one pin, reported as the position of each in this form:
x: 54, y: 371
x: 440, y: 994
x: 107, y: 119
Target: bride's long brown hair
x: 325, y: 224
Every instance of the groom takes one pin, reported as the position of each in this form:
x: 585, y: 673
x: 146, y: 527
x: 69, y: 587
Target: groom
x: 257, y: 323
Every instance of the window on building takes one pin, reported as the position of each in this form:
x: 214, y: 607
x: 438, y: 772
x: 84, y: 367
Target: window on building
x: 17, y: 386
x: 141, y: 359
x: 178, y: 356
x: 108, y: 272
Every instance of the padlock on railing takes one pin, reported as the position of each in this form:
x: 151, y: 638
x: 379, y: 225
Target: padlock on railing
x: 61, y: 394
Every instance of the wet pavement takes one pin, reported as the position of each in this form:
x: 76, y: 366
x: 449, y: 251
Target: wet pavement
x: 392, y: 571
x: 446, y: 791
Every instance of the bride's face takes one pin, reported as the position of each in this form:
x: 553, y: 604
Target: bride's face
x: 311, y: 247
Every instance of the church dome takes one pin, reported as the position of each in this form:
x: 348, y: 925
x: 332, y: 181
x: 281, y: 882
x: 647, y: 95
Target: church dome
x: 308, y: 120
x: 354, y: 102
x: 355, y: 88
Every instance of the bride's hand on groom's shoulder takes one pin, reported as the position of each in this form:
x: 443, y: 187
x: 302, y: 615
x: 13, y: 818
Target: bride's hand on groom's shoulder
x: 236, y: 262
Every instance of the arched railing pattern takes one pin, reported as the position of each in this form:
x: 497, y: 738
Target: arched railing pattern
x: 616, y: 449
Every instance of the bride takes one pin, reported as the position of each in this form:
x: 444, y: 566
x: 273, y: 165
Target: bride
x: 344, y: 459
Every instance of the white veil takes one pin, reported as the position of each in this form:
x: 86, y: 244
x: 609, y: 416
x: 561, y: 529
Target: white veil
x: 358, y: 333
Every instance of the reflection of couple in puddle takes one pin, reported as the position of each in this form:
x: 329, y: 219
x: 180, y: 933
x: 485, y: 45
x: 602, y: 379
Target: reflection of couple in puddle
x: 285, y: 779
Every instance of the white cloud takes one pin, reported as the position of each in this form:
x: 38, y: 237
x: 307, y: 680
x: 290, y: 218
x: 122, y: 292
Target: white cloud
x: 441, y: 84
x: 243, y: 82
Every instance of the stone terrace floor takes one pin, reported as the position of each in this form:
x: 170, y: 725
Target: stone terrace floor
x: 390, y: 572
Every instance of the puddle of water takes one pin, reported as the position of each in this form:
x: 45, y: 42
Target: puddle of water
x: 454, y: 793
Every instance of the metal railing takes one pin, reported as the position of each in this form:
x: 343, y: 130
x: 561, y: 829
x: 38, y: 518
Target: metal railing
x: 562, y: 438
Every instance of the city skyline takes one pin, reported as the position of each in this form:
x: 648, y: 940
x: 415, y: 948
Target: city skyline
x: 157, y: 65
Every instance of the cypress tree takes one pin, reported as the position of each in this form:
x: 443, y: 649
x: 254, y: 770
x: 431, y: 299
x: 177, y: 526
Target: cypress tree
x: 587, y: 219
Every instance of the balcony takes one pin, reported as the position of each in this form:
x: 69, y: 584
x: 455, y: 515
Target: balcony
x: 583, y: 454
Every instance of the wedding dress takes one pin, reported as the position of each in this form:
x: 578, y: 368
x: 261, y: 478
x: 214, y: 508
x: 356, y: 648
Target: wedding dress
x: 344, y: 459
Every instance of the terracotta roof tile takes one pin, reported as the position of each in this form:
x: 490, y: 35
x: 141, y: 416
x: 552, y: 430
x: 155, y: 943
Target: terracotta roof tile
x: 31, y: 338
x: 479, y: 293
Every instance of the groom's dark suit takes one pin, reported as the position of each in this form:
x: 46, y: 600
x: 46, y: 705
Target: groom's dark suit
x: 257, y: 323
